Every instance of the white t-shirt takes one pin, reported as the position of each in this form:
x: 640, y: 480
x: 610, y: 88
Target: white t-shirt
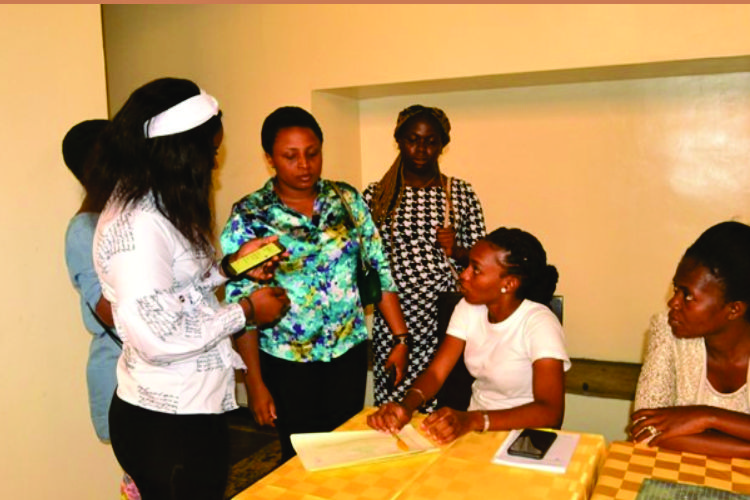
x: 177, y: 356
x: 500, y: 355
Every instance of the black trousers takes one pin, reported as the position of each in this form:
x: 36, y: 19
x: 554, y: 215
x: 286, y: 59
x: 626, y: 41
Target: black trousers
x: 169, y: 456
x: 317, y: 396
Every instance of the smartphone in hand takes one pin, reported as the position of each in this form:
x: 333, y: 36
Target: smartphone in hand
x: 532, y: 443
x: 257, y: 257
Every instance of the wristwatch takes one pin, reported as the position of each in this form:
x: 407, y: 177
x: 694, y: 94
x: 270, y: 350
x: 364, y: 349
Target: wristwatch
x: 402, y: 338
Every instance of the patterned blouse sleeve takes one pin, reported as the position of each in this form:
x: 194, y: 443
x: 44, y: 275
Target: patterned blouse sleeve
x: 236, y: 232
x: 469, y: 212
x: 371, y: 237
x: 163, y: 323
x: 656, y: 383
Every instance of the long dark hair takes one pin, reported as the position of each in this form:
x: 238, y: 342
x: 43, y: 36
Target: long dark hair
x: 724, y: 249
x: 526, y: 259
x: 176, y: 168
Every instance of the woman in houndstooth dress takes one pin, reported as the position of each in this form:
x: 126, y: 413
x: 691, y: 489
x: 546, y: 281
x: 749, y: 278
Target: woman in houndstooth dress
x: 422, y: 237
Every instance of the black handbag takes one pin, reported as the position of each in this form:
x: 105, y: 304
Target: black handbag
x: 368, y: 279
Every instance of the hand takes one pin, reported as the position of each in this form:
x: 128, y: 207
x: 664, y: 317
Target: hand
x: 398, y: 358
x: 270, y: 304
x: 265, y: 271
x: 261, y: 403
x: 656, y: 424
x: 391, y: 417
x: 446, y: 424
x: 446, y: 239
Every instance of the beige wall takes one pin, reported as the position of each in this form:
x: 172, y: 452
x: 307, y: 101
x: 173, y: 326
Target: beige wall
x: 53, y: 76
x: 615, y: 133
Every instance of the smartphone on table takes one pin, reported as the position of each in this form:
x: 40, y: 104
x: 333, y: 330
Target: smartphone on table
x: 257, y: 257
x: 532, y: 443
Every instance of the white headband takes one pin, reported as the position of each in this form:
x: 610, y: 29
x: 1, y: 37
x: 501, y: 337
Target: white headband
x: 181, y: 117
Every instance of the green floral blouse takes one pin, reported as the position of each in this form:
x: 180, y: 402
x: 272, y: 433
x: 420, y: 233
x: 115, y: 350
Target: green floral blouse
x: 326, y: 317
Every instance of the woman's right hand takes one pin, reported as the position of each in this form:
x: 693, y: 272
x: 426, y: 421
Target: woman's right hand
x: 391, y: 417
x: 270, y: 304
x: 261, y: 403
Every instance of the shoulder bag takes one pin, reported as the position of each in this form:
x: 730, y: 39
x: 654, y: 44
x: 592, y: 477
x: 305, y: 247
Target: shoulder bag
x: 368, y: 279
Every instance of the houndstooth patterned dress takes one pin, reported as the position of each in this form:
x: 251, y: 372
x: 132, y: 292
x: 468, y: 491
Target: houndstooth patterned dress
x: 420, y: 270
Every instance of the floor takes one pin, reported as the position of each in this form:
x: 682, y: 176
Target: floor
x: 253, y: 453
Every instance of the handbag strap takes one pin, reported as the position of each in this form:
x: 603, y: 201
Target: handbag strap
x: 115, y: 338
x: 447, y: 223
x: 349, y: 213
x: 448, y: 203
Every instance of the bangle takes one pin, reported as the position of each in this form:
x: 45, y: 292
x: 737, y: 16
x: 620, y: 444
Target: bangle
x: 249, y: 318
x: 226, y: 268
x: 418, y: 391
x: 486, y: 418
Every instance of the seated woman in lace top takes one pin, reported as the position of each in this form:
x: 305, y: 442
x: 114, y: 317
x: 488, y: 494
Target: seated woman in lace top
x: 692, y: 392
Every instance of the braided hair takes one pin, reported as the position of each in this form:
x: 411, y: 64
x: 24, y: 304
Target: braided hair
x: 389, y: 190
x: 527, y: 260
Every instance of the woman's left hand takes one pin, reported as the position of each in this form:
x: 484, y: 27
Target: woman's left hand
x: 398, y: 359
x: 656, y: 424
x: 446, y: 424
x: 446, y: 238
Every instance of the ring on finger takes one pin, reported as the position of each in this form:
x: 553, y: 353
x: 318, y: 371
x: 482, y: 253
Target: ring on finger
x: 652, y: 430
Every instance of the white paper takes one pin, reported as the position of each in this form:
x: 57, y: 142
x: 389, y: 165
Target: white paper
x: 556, y: 460
x: 326, y: 450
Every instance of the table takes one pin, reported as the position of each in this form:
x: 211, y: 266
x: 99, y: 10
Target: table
x: 460, y: 471
x: 628, y: 464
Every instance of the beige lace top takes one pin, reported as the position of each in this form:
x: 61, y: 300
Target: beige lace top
x: 674, y: 373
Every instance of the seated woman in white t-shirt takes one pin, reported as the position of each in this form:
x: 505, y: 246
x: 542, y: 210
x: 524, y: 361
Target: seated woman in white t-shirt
x: 512, y: 344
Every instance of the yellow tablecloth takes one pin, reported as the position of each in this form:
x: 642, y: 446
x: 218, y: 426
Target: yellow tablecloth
x: 628, y: 464
x: 461, y: 470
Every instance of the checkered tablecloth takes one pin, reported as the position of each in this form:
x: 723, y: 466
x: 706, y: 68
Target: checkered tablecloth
x: 628, y: 464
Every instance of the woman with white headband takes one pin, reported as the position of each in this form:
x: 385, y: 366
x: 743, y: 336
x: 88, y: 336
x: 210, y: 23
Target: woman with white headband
x: 156, y: 264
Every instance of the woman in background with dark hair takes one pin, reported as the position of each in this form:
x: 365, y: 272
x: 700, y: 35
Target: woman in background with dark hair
x: 692, y: 393
x: 512, y: 343
x: 78, y: 147
x: 156, y: 265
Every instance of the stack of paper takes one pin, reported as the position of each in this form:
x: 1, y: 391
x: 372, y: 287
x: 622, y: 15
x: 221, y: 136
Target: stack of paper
x: 555, y: 460
x: 326, y: 450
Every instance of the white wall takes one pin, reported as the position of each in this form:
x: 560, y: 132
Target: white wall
x: 53, y: 76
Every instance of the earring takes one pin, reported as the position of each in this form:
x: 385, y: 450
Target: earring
x: 503, y: 290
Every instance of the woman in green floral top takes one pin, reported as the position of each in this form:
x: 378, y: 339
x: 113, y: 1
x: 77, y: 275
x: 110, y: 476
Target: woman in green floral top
x: 308, y: 372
